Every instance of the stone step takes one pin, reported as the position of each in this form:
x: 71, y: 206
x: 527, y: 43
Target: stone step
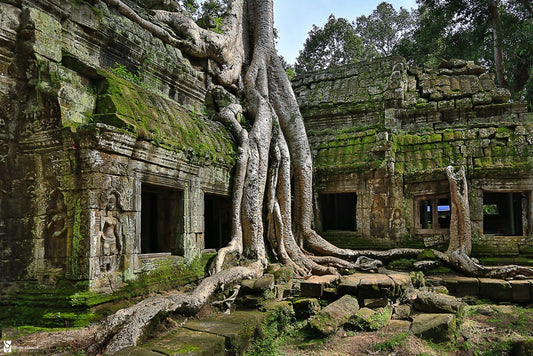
x: 181, y: 342
x: 210, y: 336
x: 516, y: 291
x: 314, y: 286
x: 391, y: 285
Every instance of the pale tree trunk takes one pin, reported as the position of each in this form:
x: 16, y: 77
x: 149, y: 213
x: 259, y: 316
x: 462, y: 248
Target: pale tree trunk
x: 273, y: 154
x: 460, y: 223
x: 460, y: 246
x: 494, y: 13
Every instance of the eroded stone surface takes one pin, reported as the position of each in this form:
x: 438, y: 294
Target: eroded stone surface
x: 184, y: 342
x: 434, y: 327
x: 329, y: 319
x: 392, y: 285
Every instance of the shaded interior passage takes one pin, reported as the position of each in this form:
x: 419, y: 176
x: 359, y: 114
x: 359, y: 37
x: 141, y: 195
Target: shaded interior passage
x: 338, y: 211
x: 160, y: 219
x: 503, y: 213
x: 217, y: 215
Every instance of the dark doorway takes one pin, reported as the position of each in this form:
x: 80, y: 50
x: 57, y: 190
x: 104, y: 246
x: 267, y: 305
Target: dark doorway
x: 159, y: 219
x: 502, y: 214
x: 217, y: 217
x: 338, y: 211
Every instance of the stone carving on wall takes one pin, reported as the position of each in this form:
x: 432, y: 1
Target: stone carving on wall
x: 109, y: 236
x: 397, y: 225
x: 378, y: 219
x: 45, y: 118
x: 56, y: 231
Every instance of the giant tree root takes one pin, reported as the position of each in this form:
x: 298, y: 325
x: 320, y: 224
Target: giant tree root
x: 126, y: 327
x: 274, y: 165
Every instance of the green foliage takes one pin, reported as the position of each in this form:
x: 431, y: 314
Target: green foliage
x: 341, y: 41
x: 426, y: 255
x: 290, y: 73
x: 384, y: 28
x: 497, y: 349
x: 211, y: 14
x: 332, y: 45
x: 396, y: 341
x: 145, y: 79
x: 277, y: 328
x: 417, y: 278
x: 121, y: 71
x: 190, y: 7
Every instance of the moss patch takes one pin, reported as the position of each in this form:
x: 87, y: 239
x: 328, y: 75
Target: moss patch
x: 149, y: 115
x: 69, y: 304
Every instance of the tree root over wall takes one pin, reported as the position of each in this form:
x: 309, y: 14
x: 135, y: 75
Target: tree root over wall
x: 274, y: 163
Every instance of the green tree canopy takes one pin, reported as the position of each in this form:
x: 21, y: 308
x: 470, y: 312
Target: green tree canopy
x: 383, y: 29
x: 335, y: 44
x: 341, y: 41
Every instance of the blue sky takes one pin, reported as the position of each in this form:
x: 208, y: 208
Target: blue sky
x: 294, y: 18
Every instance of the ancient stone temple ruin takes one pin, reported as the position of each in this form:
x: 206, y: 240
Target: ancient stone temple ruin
x: 381, y: 133
x: 109, y: 160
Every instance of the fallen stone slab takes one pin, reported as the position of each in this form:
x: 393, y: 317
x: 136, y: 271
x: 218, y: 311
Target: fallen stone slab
x: 305, y: 307
x: 376, y: 285
x: 402, y: 282
x: 521, y: 291
x: 431, y: 302
x: 435, y: 327
x: 373, y: 303
x: 401, y: 312
x: 333, y: 316
x: 183, y: 342
x: 397, y: 326
x: 462, y: 286
x: 237, y: 328
x: 314, y: 286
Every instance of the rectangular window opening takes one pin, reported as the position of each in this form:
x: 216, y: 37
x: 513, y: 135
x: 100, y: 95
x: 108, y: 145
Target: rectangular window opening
x: 160, y: 219
x: 503, y: 213
x: 433, y: 214
x: 338, y: 211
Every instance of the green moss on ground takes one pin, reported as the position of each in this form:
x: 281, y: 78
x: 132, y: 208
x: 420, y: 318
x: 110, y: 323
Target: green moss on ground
x: 70, y: 304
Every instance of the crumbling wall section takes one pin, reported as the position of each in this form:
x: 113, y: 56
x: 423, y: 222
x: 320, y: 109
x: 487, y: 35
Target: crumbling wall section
x: 92, y: 107
x: 386, y: 130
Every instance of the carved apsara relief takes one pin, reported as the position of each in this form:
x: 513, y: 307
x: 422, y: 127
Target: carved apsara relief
x: 110, y: 235
x: 56, y: 231
x: 397, y: 225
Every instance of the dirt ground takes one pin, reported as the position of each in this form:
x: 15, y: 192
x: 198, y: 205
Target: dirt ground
x: 487, y: 330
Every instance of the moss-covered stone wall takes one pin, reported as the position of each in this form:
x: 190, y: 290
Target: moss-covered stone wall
x: 388, y: 135
x: 93, y: 109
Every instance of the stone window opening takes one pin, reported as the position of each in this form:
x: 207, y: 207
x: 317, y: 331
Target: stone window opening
x: 432, y: 214
x: 338, y: 211
x: 503, y: 213
x: 217, y: 221
x: 160, y: 208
